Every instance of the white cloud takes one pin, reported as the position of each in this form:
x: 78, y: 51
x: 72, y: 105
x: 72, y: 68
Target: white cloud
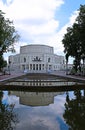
x: 60, y: 34
x: 46, y: 28
x: 36, y: 23
x: 32, y: 9
x: 73, y: 17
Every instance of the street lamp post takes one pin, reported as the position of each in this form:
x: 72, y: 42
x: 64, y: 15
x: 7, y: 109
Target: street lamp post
x: 83, y: 58
x: 66, y: 67
x: 46, y: 67
x: 9, y: 66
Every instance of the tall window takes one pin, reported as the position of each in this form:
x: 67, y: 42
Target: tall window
x: 33, y: 66
x: 36, y: 66
x: 30, y: 66
x: 24, y: 59
x: 39, y: 66
x: 48, y: 59
x: 43, y: 66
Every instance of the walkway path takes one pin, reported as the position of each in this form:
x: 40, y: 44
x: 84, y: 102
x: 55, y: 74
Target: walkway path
x: 73, y: 77
x: 12, y: 75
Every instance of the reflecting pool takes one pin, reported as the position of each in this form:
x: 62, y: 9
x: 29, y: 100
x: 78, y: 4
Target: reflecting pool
x: 23, y: 110
x: 31, y: 109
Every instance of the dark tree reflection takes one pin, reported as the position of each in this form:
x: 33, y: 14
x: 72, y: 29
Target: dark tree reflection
x: 74, y: 114
x: 8, y: 119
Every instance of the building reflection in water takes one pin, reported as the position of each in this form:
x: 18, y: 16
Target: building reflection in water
x: 36, y: 98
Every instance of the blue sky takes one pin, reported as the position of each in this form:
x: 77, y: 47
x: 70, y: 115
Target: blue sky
x: 41, y: 21
x: 66, y: 10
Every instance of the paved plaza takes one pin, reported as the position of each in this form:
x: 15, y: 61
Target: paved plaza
x: 10, y: 76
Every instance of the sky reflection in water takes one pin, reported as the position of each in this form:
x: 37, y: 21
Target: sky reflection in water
x: 46, y: 114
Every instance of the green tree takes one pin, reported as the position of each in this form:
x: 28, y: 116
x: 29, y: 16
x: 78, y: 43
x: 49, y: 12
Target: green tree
x: 74, y: 114
x: 8, y: 36
x: 74, y: 39
x: 3, y: 63
x: 8, y: 119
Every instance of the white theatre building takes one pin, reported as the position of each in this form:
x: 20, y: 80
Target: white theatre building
x: 36, y: 58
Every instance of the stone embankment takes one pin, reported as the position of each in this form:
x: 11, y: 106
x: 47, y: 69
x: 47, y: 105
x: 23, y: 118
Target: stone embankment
x: 62, y: 74
x: 78, y: 80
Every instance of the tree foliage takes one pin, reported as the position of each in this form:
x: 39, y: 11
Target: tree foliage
x: 8, y: 118
x: 3, y: 63
x: 74, y: 39
x: 8, y: 35
x: 74, y: 113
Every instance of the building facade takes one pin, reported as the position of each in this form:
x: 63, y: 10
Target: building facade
x: 36, y: 58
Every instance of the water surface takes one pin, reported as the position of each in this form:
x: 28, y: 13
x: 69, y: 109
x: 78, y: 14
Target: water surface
x: 42, y: 110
